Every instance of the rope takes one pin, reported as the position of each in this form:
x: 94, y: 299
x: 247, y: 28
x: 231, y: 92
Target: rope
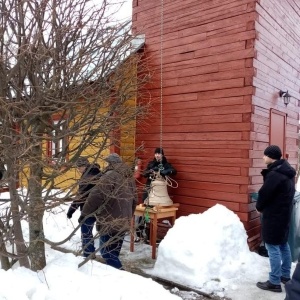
x: 161, y: 70
x: 171, y: 182
x: 168, y: 180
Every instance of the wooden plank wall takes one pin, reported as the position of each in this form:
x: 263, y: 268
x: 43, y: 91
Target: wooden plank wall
x: 277, y: 66
x: 210, y: 133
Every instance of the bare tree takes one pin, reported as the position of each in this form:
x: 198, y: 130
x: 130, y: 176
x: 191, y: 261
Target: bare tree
x: 67, y: 84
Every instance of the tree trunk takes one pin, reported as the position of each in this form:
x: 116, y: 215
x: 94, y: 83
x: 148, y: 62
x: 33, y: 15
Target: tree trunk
x: 36, y: 212
x: 5, y: 265
x: 16, y: 217
x: 4, y: 259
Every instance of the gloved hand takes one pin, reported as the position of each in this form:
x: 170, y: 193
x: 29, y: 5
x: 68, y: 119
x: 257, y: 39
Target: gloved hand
x: 98, y: 228
x: 165, y: 172
x: 71, y: 211
x: 80, y: 219
x: 155, y: 169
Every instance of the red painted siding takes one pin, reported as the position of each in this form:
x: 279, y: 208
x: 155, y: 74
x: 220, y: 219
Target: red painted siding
x: 277, y: 65
x: 223, y: 66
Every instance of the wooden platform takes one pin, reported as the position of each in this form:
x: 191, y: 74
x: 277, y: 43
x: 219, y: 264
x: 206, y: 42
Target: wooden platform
x: 156, y: 213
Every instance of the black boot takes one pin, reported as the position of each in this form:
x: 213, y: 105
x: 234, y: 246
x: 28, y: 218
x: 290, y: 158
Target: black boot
x: 268, y: 286
x: 284, y: 280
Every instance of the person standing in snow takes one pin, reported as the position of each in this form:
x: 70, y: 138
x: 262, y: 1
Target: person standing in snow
x: 113, y: 202
x: 292, y: 287
x: 90, y: 173
x: 275, y: 202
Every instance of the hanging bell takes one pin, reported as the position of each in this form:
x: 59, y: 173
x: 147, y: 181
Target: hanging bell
x: 158, y: 195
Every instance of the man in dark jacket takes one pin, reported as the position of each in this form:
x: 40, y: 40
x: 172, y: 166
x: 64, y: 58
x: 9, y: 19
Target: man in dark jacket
x: 90, y: 173
x: 158, y: 164
x: 275, y: 202
x: 292, y: 287
x: 113, y: 202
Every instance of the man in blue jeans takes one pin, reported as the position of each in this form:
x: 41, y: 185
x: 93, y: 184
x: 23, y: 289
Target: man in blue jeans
x: 90, y: 174
x: 113, y: 203
x: 275, y: 202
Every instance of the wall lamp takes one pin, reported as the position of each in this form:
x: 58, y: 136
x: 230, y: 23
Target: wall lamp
x: 286, y: 97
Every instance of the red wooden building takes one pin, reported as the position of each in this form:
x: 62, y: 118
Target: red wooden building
x: 223, y: 64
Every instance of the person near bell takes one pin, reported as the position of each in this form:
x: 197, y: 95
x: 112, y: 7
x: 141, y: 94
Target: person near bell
x: 159, y: 164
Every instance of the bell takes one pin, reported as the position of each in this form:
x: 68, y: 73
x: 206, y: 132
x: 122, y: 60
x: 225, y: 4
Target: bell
x: 158, y: 195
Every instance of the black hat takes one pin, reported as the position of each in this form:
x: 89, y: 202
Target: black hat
x: 159, y: 150
x: 273, y: 152
x: 82, y: 161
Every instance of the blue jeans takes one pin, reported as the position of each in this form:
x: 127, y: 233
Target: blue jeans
x: 110, y: 248
x: 87, y: 237
x: 280, y: 261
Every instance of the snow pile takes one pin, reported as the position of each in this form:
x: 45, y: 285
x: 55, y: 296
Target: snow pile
x: 205, y: 250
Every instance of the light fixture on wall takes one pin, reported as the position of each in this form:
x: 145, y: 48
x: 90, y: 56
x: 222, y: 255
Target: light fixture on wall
x: 286, y: 97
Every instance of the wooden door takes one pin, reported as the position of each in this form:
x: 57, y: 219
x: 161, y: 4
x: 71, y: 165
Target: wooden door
x: 277, y: 129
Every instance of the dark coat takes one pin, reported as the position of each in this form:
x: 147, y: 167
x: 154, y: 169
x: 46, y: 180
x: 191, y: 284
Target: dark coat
x: 275, y: 201
x: 87, y: 181
x: 154, y: 165
x: 292, y: 287
x: 113, y: 200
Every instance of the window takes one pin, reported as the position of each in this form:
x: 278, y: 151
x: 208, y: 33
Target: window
x: 57, y: 146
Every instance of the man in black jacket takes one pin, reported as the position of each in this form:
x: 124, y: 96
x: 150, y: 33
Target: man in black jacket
x: 158, y: 164
x: 275, y: 202
x: 90, y: 174
x: 292, y: 287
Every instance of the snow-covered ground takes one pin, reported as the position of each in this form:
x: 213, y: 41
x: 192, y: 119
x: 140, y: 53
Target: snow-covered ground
x: 205, y: 251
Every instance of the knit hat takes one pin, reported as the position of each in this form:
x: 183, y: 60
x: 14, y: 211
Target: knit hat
x: 82, y: 161
x: 273, y: 152
x: 159, y: 150
x: 113, y: 158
